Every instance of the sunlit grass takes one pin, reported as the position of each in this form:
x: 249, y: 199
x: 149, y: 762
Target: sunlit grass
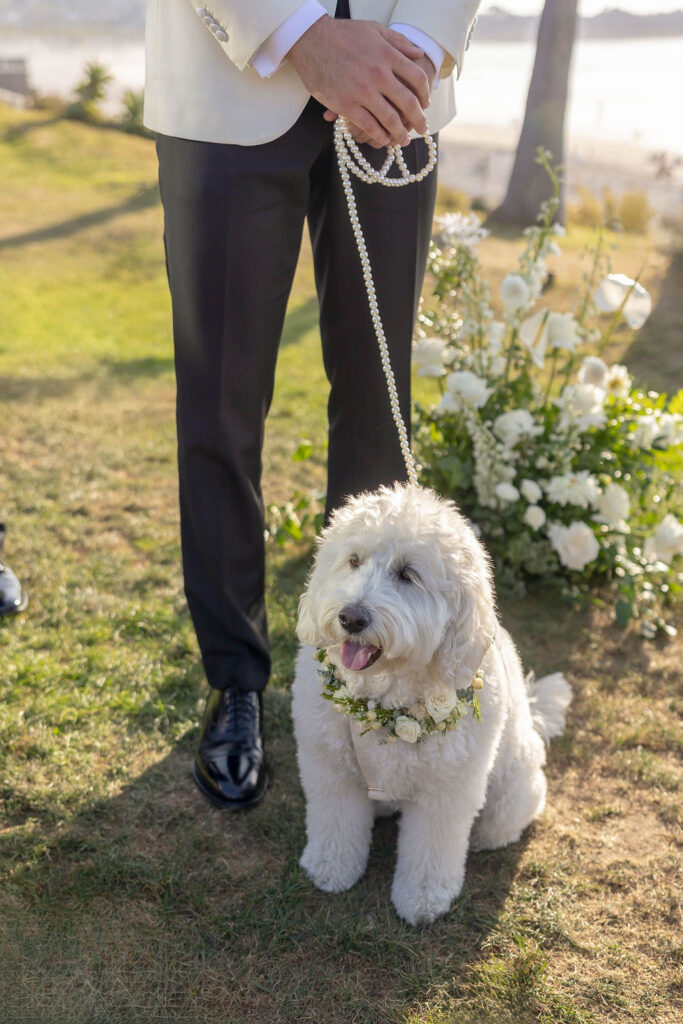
x: 123, y: 896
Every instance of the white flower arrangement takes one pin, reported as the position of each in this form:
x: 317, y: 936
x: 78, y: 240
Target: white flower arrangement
x: 566, y: 467
x: 455, y: 229
x: 440, y: 712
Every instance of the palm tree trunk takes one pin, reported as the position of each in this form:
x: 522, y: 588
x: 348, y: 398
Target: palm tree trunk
x: 529, y: 184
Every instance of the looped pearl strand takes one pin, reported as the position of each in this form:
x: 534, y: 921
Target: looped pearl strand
x: 352, y: 161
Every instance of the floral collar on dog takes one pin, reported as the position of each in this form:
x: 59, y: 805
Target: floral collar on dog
x: 438, y: 713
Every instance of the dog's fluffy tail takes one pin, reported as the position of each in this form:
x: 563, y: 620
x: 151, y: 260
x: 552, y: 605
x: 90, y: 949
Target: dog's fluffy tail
x: 549, y: 699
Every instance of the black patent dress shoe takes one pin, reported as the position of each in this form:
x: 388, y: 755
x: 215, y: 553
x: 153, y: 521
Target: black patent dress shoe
x: 230, y: 764
x: 12, y: 598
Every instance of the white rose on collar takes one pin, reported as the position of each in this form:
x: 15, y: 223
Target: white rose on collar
x: 440, y: 705
x: 407, y: 729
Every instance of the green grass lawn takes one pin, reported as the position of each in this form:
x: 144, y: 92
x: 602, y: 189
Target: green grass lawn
x: 125, y: 897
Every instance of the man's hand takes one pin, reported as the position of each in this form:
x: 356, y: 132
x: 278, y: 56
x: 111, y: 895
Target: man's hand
x: 360, y: 136
x: 368, y: 73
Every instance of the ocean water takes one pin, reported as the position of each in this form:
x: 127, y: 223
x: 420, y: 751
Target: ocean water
x: 622, y: 90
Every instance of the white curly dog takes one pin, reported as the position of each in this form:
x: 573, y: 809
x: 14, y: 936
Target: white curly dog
x: 401, y: 599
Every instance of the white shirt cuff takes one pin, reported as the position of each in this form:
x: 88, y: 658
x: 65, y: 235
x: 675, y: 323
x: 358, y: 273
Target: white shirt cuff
x: 271, y: 53
x: 434, y: 50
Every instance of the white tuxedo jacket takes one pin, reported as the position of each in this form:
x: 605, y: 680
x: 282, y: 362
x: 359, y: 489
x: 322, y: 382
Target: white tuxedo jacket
x: 200, y: 83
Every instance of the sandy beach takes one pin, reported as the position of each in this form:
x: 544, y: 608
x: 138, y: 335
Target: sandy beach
x: 478, y: 158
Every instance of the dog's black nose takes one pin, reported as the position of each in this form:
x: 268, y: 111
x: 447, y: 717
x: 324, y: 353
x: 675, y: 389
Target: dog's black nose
x: 353, y: 618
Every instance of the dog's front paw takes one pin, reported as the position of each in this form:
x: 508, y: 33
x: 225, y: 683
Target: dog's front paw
x: 330, y: 868
x: 422, y: 904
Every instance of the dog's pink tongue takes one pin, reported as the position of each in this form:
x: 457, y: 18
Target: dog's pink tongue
x: 356, y: 656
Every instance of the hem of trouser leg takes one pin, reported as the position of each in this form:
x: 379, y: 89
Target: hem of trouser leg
x: 244, y: 685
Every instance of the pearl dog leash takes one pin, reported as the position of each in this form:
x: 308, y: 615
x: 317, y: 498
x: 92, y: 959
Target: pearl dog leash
x: 352, y: 161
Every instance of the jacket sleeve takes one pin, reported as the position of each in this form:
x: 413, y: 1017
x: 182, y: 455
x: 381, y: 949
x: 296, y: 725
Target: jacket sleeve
x: 241, y: 26
x: 449, y: 22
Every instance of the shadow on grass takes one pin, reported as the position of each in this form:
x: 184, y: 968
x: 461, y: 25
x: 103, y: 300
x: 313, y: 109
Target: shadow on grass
x: 145, y: 366
x: 139, y: 200
x: 657, y: 365
x: 155, y: 904
x: 35, y: 389
x: 152, y: 905
x: 18, y: 131
x: 300, y: 321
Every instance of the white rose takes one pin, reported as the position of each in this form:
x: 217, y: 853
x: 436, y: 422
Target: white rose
x: 593, y: 371
x: 647, y: 430
x: 611, y: 294
x: 450, y: 402
x: 506, y: 492
x: 563, y: 331
x: 464, y: 388
x: 576, y: 545
x: 667, y: 540
x: 407, y: 729
x: 534, y: 334
x: 534, y: 517
x: 670, y: 427
x: 613, y: 506
x: 582, y: 406
x: 578, y: 488
x: 618, y: 381
x: 510, y: 426
x: 531, y: 491
x: 342, y: 691
x: 430, y: 356
x: 514, y: 292
x: 440, y: 705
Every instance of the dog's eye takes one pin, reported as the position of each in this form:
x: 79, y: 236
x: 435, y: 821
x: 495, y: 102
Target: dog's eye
x: 354, y: 561
x: 408, y: 575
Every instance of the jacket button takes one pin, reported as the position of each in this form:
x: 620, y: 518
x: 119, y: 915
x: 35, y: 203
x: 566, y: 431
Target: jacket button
x: 222, y: 36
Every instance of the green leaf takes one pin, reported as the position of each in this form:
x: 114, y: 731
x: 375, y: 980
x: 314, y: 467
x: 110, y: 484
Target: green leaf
x: 624, y: 612
x: 292, y: 528
x: 303, y: 452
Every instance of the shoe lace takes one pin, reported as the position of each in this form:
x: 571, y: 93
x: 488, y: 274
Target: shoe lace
x: 240, y: 708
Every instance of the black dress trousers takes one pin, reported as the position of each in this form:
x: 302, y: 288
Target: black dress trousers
x: 234, y: 217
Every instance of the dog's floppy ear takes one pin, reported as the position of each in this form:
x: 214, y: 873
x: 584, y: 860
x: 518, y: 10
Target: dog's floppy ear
x: 305, y: 627
x: 473, y: 622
